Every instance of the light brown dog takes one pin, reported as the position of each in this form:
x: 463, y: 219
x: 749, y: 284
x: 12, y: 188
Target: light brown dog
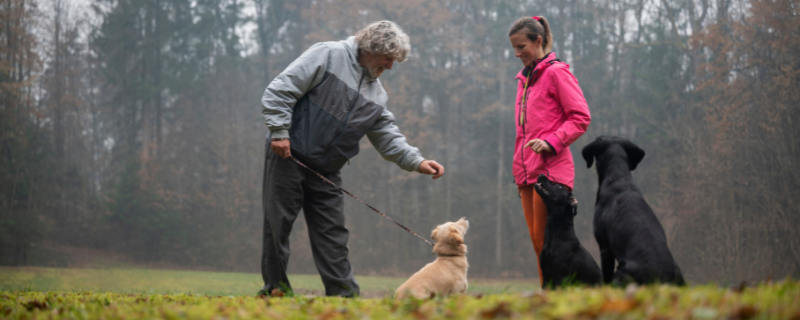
x: 448, y: 273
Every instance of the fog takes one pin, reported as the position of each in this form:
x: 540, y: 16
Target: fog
x: 131, y: 131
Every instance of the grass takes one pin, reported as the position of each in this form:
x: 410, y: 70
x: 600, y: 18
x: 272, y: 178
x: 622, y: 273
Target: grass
x: 34, y: 293
x: 146, y: 281
x: 765, y: 301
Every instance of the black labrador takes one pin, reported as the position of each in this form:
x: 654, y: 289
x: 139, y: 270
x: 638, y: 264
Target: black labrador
x: 563, y: 259
x: 625, y: 227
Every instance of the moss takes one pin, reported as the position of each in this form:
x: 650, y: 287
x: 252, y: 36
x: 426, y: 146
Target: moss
x: 765, y: 301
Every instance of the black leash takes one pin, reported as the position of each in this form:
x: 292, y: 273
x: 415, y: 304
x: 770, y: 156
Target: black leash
x: 359, y: 200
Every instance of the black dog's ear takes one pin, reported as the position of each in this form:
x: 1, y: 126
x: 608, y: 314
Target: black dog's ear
x: 591, y: 150
x: 574, y: 204
x: 635, y: 154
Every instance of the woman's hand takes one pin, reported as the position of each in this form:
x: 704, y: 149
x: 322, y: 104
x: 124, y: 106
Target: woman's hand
x: 538, y: 146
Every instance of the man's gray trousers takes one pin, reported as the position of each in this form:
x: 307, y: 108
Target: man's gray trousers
x: 288, y: 187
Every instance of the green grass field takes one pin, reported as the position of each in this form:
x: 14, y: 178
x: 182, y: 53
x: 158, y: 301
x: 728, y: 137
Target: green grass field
x: 36, y: 293
x: 774, y: 301
x: 121, y: 280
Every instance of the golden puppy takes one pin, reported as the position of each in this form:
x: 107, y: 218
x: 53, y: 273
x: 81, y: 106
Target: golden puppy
x: 448, y: 273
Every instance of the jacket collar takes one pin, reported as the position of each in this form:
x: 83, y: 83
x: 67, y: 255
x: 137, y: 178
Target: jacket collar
x: 352, y: 52
x: 538, y: 66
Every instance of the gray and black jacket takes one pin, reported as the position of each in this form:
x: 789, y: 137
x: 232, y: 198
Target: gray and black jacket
x: 325, y: 101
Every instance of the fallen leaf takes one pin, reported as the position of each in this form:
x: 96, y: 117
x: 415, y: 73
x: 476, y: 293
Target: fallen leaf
x: 35, y: 304
x: 619, y: 306
x: 328, y: 314
x: 419, y: 315
x: 500, y: 311
x: 743, y: 312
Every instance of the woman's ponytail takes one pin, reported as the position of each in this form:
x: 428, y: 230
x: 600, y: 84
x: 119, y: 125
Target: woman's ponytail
x: 533, y: 28
x: 547, y: 38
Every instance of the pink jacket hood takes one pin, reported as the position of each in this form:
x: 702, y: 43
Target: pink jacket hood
x: 556, y: 111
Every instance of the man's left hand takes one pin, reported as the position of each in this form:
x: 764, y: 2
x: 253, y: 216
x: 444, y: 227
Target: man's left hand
x: 431, y: 167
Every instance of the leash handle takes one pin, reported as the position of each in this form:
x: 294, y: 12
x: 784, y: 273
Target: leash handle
x: 359, y: 200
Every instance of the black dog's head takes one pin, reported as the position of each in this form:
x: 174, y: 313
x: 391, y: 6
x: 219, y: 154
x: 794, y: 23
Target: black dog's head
x: 555, y: 196
x: 604, y: 148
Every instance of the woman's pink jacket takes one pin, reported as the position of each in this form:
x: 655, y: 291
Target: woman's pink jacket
x: 555, y: 111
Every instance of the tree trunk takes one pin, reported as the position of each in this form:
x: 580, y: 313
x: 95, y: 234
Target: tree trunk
x: 498, y: 253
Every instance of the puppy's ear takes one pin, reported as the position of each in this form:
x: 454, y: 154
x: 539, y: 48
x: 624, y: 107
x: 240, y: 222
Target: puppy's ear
x: 574, y: 204
x: 635, y: 154
x: 434, y: 232
x: 454, y: 238
x: 591, y: 150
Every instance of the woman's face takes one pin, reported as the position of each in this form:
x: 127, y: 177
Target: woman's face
x: 526, y: 50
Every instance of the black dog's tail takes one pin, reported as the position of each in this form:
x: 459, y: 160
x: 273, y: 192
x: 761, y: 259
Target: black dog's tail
x: 678, y: 280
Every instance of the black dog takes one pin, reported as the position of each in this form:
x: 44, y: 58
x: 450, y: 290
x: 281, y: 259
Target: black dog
x: 563, y: 258
x: 625, y: 227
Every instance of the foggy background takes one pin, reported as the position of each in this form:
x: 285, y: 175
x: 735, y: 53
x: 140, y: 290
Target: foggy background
x: 131, y: 130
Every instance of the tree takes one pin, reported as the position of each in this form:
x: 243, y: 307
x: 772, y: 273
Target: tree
x: 749, y: 102
x: 23, y: 160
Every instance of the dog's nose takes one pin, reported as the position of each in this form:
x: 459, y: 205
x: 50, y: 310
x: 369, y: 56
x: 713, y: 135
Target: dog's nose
x: 465, y: 218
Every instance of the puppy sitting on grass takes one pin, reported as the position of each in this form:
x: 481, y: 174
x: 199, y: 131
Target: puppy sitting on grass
x: 448, y: 273
x: 563, y: 259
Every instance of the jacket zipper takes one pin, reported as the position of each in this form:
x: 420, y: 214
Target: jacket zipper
x: 353, y: 105
x: 347, y: 117
x: 524, y: 168
x: 523, y: 121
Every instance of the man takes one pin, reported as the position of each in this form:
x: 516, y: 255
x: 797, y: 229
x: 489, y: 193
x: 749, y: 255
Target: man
x: 317, y: 110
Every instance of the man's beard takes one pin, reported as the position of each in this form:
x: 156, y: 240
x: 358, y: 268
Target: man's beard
x: 376, y: 72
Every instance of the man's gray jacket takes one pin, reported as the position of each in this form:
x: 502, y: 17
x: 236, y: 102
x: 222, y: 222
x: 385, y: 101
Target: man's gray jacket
x: 325, y: 102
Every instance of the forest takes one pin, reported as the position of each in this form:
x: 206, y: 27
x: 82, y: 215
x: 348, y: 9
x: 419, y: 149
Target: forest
x: 133, y: 127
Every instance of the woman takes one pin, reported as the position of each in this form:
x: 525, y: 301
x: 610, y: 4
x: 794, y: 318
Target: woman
x: 551, y: 113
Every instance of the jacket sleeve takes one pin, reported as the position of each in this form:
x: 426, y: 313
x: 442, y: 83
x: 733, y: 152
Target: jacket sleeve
x: 571, y: 98
x: 385, y: 136
x: 302, y: 75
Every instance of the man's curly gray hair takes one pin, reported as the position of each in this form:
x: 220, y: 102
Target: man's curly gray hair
x: 384, y: 37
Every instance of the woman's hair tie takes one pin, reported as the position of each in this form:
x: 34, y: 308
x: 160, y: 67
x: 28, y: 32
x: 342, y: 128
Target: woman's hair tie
x: 536, y: 18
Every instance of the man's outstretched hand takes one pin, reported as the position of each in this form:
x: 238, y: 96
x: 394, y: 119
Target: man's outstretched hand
x: 282, y: 148
x: 431, y: 167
